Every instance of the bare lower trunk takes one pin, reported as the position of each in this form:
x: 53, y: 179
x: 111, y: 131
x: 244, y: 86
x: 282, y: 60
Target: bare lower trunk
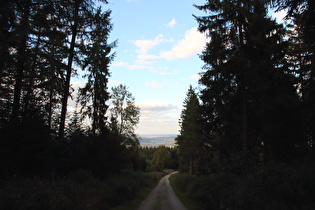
x: 21, y: 64
x: 244, y: 122
x: 69, y: 69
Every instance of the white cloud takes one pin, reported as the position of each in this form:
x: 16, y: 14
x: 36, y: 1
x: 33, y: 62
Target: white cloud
x: 146, y: 44
x: 145, y: 65
x: 158, y: 117
x: 155, y: 84
x: 172, y: 23
x: 114, y: 82
x: 143, y: 62
x: 195, y: 76
x: 147, y: 57
x: 158, y: 125
x: 135, y: 67
x: 193, y: 43
x: 120, y: 64
x: 157, y: 108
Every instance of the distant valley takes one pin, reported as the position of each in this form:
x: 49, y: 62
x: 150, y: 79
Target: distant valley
x: 158, y: 139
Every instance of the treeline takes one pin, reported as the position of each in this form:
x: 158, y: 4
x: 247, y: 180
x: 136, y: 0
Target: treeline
x: 41, y: 42
x: 87, y: 157
x: 159, y: 158
x: 249, y: 133
x: 44, y: 44
x: 256, y: 98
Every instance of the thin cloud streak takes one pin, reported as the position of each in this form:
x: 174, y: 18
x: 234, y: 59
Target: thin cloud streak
x: 135, y: 67
x: 157, y: 108
x: 114, y: 82
x: 172, y: 23
x: 154, y: 84
x: 146, y: 44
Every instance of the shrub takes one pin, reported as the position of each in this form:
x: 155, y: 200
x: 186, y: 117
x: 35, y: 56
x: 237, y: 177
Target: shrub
x: 78, y: 190
x: 272, y: 186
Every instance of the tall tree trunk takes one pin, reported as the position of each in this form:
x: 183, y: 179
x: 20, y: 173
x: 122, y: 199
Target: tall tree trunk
x: 69, y: 69
x: 31, y: 82
x: 121, y: 121
x: 244, y: 121
x: 243, y: 85
x: 94, y: 115
x: 50, y: 106
x: 21, y: 64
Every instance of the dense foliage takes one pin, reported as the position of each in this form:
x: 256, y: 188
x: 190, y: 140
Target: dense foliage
x: 248, y: 134
x: 256, y: 121
x: 78, y: 190
x: 51, y: 157
x: 159, y: 158
x: 272, y: 186
x: 256, y: 89
x: 43, y: 45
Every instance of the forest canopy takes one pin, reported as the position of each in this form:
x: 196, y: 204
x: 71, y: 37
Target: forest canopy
x: 43, y: 45
x: 256, y: 98
x: 252, y: 115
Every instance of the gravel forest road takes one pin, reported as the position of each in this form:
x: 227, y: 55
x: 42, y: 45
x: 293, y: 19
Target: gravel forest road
x: 162, y: 197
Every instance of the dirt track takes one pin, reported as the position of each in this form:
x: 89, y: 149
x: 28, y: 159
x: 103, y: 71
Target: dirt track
x: 162, y: 197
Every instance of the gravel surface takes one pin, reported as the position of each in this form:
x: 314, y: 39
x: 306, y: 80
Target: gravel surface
x: 162, y: 197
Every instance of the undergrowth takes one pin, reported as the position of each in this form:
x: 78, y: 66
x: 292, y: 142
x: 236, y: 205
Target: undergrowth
x: 271, y: 186
x: 78, y: 190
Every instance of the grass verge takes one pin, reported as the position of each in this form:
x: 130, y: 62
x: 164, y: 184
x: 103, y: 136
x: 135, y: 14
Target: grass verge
x: 188, y: 203
x: 144, y: 192
x: 134, y: 203
x: 268, y: 186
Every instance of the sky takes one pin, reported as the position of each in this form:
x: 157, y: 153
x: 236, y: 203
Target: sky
x: 156, y: 57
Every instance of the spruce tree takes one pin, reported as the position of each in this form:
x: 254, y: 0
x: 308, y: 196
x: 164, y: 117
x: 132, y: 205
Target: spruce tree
x: 246, y: 80
x: 190, y: 140
x: 97, y: 57
x: 75, y: 16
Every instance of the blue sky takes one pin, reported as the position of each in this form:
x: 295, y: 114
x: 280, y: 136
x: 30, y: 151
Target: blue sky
x: 156, y: 57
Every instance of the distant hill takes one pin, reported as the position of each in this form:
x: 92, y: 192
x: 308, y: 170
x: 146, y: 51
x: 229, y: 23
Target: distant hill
x: 154, y: 140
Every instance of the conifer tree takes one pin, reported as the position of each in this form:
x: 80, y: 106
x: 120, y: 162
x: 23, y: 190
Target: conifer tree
x: 43, y: 82
x: 190, y: 140
x: 77, y: 10
x: 245, y: 76
x: 22, y: 65
x: 96, y: 62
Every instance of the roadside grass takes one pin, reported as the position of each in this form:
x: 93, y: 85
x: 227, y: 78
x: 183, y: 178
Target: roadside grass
x: 144, y: 192
x: 134, y: 203
x: 182, y: 196
x: 268, y: 186
x: 79, y: 190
